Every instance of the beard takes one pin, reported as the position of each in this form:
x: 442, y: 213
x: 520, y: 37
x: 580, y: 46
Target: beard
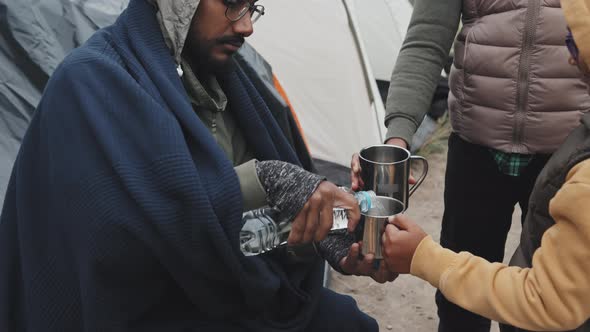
x: 202, y: 57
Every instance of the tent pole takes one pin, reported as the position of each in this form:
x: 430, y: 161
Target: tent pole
x: 377, y: 103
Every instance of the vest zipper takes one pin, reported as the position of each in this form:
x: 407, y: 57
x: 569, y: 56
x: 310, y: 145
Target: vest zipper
x: 522, y: 92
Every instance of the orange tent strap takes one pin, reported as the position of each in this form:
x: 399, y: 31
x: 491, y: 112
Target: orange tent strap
x: 283, y: 94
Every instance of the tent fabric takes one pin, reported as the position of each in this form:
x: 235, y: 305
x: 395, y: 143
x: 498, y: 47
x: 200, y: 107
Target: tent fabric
x: 283, y: 94
x: 260, y: 73
x: 383, y: 26
x: 313, y: 51
x: 34, y: 38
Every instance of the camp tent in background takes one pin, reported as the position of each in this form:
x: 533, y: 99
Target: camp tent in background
x: 383, y: 27
x: 329, y: 54
x: 316, y: 49
x: 35, y: 36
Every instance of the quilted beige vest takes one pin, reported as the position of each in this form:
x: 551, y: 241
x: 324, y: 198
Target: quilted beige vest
x: 512, y: 88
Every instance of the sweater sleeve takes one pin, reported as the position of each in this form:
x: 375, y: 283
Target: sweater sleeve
x: 253, y: 194
x: 550, y: 296
x: 423, y: 54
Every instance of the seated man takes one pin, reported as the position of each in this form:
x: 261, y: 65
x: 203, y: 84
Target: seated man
x: 125, y: 204
x: 548, y: 287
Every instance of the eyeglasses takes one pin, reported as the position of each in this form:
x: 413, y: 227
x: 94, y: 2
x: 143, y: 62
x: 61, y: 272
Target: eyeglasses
x: 571, y: 45
x: 236, y: 9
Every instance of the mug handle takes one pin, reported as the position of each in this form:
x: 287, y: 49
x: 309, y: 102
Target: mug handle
x: 422, y: 176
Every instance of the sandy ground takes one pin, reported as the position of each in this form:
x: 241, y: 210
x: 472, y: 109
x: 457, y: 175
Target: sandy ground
x: 407, y: 304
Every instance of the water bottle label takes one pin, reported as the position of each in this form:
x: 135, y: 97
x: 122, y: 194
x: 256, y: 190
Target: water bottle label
x: 340, y: 219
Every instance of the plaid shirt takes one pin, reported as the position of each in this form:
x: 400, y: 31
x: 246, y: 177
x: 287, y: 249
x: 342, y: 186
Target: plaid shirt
x: 512, y: 164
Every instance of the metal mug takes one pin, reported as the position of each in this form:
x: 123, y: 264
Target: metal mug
x: 385, y: 169
x: 373, y: 222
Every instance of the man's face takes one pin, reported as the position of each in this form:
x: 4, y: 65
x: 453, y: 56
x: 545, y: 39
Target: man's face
x: 212, y: 38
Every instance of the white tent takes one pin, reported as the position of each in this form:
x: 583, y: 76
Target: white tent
x: 317, y: 49
x: 383, y: 25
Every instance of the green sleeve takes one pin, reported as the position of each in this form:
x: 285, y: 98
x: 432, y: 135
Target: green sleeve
x: 423, y: 54
x: 253, y: 194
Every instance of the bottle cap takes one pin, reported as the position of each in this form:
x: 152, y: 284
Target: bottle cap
x: 366, y: 204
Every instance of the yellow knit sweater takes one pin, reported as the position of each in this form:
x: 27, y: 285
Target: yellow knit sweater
x: 553, y: 295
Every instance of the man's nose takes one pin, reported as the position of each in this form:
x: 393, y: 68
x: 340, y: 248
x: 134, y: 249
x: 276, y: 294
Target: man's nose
x: 244, y: 26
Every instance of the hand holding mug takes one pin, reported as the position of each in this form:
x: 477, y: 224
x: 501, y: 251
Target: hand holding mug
x: 401, y: 143
x: 356, y: 264
x: 399, y: 243
x: 355, y: 166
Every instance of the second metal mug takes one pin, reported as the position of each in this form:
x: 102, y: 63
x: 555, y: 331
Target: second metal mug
x: 373, y: 223
x: 385, y: 169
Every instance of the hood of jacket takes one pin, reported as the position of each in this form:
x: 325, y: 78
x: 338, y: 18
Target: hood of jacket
x: 175, y: 17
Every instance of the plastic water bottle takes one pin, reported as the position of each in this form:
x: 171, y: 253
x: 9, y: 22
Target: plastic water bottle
x: 262, y: 233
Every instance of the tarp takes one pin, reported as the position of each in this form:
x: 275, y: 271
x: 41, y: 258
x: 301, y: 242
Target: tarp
x: 35, y: 36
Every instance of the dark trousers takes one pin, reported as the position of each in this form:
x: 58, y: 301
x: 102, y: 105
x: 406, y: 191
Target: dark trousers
x: 479, y: 202
x: 337, y: 312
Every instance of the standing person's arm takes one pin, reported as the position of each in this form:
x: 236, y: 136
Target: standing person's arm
x: 423, y: 54
x: 417, y: 71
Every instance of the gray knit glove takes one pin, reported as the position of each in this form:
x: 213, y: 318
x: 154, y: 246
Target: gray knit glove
x: 335, y: 247
x: 287, y: 186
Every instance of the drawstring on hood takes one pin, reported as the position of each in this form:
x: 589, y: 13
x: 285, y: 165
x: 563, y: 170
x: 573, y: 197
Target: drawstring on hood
x: 175, y: 17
